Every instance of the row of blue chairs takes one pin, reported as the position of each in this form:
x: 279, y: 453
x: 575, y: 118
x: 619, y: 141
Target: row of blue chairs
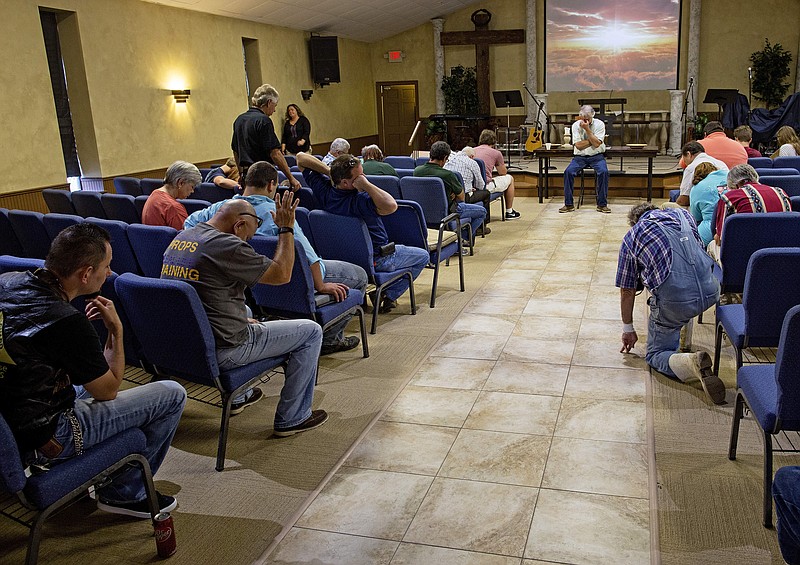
x: 133, y: 186
x: 776, y: 163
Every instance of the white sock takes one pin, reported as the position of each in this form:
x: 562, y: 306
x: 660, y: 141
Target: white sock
x: 509, y: 210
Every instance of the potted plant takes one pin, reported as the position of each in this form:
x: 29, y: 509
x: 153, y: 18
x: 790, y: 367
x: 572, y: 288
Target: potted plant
x: 770, y: 68
x: 435, y: 130
x: 700, y: 121
x: 461, y: 91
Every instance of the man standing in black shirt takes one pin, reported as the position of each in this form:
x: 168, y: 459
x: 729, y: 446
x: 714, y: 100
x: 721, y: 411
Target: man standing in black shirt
x: 254, y: 136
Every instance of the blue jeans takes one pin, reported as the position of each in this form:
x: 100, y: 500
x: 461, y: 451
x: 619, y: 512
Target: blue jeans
x: 472, y: 213
x: 347, y: 274
x: 301, y: 339
x: 404, y: 257
x: 598, y: 163
x: 786, y: 493
x: 155, y: 408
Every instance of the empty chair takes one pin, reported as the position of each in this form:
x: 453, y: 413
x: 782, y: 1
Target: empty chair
x: 139, y: 203
x: 773, y: 172
x: 789, y: 183
x: 123, y: 258
x: 149, y: 244
x: 790, y: 162
x: 760, y: 162
x: 58, y: 201
x: 121, y: 207
x: 87, y: 204
x: 301, y: 217
x: 9, y: 244
x: 192, y: 205
x: 400, y: 162
x: 149, y: 185
x: 31, y: 233
x: 388, y: 183
x: 9, y: 263
x: 404, y: 172
x: 772, y: 394
x: 54, y: 223
x: 211, y: 192
x: 128, y: 185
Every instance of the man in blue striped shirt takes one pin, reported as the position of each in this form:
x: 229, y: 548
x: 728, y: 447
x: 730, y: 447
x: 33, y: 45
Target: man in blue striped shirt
x: 663, y: 249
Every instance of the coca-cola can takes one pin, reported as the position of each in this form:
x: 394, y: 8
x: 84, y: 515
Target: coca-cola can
x: 165, y: 534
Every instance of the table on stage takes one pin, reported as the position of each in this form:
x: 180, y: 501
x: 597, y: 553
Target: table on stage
x: 544, y: 156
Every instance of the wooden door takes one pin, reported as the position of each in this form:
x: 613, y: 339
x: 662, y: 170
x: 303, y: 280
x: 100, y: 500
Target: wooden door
x: 397, y: 116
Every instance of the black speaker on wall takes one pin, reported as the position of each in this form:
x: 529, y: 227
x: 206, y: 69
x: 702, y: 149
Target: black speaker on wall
x: 324, y: 59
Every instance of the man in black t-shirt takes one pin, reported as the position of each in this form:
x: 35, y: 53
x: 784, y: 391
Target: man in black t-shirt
x: 48, y: 347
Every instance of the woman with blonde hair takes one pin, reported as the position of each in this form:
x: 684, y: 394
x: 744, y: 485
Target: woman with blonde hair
x: 788, y: 143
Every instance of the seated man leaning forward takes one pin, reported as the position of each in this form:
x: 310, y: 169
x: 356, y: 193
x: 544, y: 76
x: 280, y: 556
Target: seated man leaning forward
x: 49, y: 347
x: 214, y: 257
x: 349, y: 193
x: 493, y: 160
x: 330, y: 277
x: 472, y: 213
x: 464, y: 163
x: 664, y: 251
x: 162, y: 207
x: 693, y: 154
x: 588, y: 135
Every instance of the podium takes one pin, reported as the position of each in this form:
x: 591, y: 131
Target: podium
x: 720, y: 97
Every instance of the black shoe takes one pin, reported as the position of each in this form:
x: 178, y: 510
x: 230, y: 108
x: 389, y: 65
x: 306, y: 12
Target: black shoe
x: 238, y: 407
x: 387, y: 305
x: 512, y: 215
x: 483, y: 231
x: 346, y: 344
x: 317, y: 418
x: 138, y: 509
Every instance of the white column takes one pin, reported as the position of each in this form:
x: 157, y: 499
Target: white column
x: 693, y: 65
x: 438, y: 62
x: 675, y: 124
x: 530, y: 54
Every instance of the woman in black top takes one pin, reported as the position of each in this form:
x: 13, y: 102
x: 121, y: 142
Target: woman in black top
x: 296, y: 131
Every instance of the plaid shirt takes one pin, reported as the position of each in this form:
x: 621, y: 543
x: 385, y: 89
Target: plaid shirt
x: 645, y: 250
x: 469, y: 169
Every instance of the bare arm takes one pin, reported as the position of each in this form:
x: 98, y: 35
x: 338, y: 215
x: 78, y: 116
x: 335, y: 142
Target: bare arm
x: 385, y: 203
x: 501, y: 169
x: 337, y: 290
x: 280, y: 271
x: 306, y: 161
x: 106, y: 386
x: 627, y: 298
x: 223, y: 182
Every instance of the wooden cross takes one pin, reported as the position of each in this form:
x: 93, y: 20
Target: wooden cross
x: 482, y: 38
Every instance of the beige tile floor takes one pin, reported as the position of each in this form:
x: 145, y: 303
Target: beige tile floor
x: 520, y: 445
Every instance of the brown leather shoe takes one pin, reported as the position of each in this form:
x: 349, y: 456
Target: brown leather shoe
x: 317, y: 418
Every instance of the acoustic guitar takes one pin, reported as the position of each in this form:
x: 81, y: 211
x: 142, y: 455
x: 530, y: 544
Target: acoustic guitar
x: 534, y: 141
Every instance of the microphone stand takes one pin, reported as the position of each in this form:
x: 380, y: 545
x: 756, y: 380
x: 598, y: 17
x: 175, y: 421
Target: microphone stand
x: 749, y: 93
x: 683, y: 112
x: 540, y: 106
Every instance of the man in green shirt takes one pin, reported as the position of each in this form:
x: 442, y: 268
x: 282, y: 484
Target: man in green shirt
x: 373, y: 162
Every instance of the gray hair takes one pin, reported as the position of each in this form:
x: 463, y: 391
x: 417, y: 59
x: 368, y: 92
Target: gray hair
x: 469, y: 151
x: 264, y: 94
x: 638, y: 211
x: 440, y: 150
x: 741, y: 174
x: 182, y: 171
x: 586, y: 110
x: 340, y: 145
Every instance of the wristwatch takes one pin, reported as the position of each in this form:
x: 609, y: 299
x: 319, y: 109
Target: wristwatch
x: 285, y: 229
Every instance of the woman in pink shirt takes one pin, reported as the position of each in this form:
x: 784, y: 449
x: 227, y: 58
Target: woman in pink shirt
x: 162, y: 207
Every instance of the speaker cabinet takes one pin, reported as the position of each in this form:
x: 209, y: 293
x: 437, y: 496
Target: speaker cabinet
x: 324, y: 59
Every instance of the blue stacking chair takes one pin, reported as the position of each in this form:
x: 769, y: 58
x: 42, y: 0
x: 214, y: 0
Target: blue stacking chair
x: 301, y: 217
x: 120, y: 207
x: 430, y: 194
x: 789, y: 183
x: 58, y: 201
x: 192, y: 205
x: 293, y: 168
x: 281, y: 177
x: 128, y: 185
x: 795, y: 200
x: 501, y: 196
x: 300, y: 178
x: 297, y: 299
x: 760, y: 162
x: 400, y: 162
x: 290, y: 160
x: 307, y: 199
x: 211, y: 192
x: 389, y: 183
x: 404, y: 172
x: 149, y: 244
x: 756, y: 322
x: 54, y: 223
x: 773, y: 172
x: 772, y: 394
x: 139, y: 202
x: 123, y: 258
x: 170, y: 324
x: 345, y: 238
x: 790, y: 162
x: 421, y: 161
x: 9, y: 263
x: 406, y: 226
x: 9, y: 244
x: 87, y: 204
x: 31, y: 233
x: 149, y: 185
x: 47, y: 493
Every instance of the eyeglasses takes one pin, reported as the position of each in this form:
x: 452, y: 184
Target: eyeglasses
x: 259, y: 221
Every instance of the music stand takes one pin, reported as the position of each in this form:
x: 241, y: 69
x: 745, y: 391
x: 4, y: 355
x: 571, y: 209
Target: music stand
x: 720, y: 97
x: 508, y: 99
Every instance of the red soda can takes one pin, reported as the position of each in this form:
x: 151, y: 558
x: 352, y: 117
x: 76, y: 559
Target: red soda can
x: 165, y: 534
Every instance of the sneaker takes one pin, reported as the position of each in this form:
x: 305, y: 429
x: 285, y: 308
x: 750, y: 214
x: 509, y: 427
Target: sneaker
x: 566, y: 208
x: 486, y: 230
x: 317, y: 418
x: 604, y: 209
x: 138, y: 509
x: 387, y: 305
x: 512, y: 215
x: 346, y: 344
x: 238, y: 407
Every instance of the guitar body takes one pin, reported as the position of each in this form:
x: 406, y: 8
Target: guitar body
x: 534, y: 141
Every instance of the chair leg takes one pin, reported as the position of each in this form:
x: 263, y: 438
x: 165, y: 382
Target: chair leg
x: 738, y: 358
x: 436, y: 281
x: 580, y: 196
x: 227, y: 400
x: 375, y: 307
x: 411, y: 294
x: 766, y: 519
x: 717, y: 348
x: 738, y: 414
x: 363, y: 327
x: 461, y: 270
x: 34, y: 539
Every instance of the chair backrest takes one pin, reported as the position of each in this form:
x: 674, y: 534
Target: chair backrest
x: 791, y: 162
x: 9, y: 263
x: 429, y: 193
x: 149, y: 244
x: 482, y: 167
x: 301, y: 217
x: 771, y: 288
x: 404, y: 172
x: 400, y: 161
x: 12, y: 474
x: 171, y: 326
x: 300, y: 178
x: 87, y: 204
x: 307, y: 199
x: 760, y: 162
x: 295, y: 297
x: 343, y: 238
x: 54, y: 223
x: 281, y: 177
x: 204, y: 171
x: 787, y: 367
x: 789, y: 183
x: 290, y: 160
x: 389, y: 183
x: 795, y: 200
x: 211, y: 192
x: 121, y: 207
x: 293, y: 168
x: 192, y: 205
x: 128, y: 185
x: 31, y: 233
x: 58, y: 201
x: 139, y: 202
x: 406, y: 225
x: 773, y: 172
x: 9, y: 244
x: 149, y: 185
x: 123, y: 259
x: 421, y: 161
x: 744, y: 234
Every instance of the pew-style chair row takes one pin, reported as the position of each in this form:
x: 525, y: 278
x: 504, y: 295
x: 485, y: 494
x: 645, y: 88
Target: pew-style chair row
x: 776, y: 163
x: 133, y: 186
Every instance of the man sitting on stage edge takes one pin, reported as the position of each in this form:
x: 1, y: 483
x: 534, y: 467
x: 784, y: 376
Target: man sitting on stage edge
x: 588, y: 143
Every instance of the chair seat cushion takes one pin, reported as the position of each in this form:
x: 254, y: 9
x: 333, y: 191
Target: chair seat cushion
x: 448, y: 237
x: 760, y: 389
x: 731, y: 316
x: 234, y: 378
x: 47, y: 488
x: 333, y: 310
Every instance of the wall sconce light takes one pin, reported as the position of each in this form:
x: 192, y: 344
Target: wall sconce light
x: 181, y: 96
x: 306, y: 94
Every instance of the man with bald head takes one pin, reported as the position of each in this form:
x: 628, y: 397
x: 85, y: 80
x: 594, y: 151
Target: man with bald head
x: 215, y: 258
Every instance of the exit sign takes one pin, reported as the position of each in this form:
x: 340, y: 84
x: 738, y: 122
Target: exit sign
x: 395, y: 56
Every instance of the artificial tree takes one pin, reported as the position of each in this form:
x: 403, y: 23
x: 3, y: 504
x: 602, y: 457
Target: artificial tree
x: 770, y: 68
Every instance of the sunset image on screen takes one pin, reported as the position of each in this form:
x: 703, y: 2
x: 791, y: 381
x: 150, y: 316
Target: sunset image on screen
x: 611, y: 45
